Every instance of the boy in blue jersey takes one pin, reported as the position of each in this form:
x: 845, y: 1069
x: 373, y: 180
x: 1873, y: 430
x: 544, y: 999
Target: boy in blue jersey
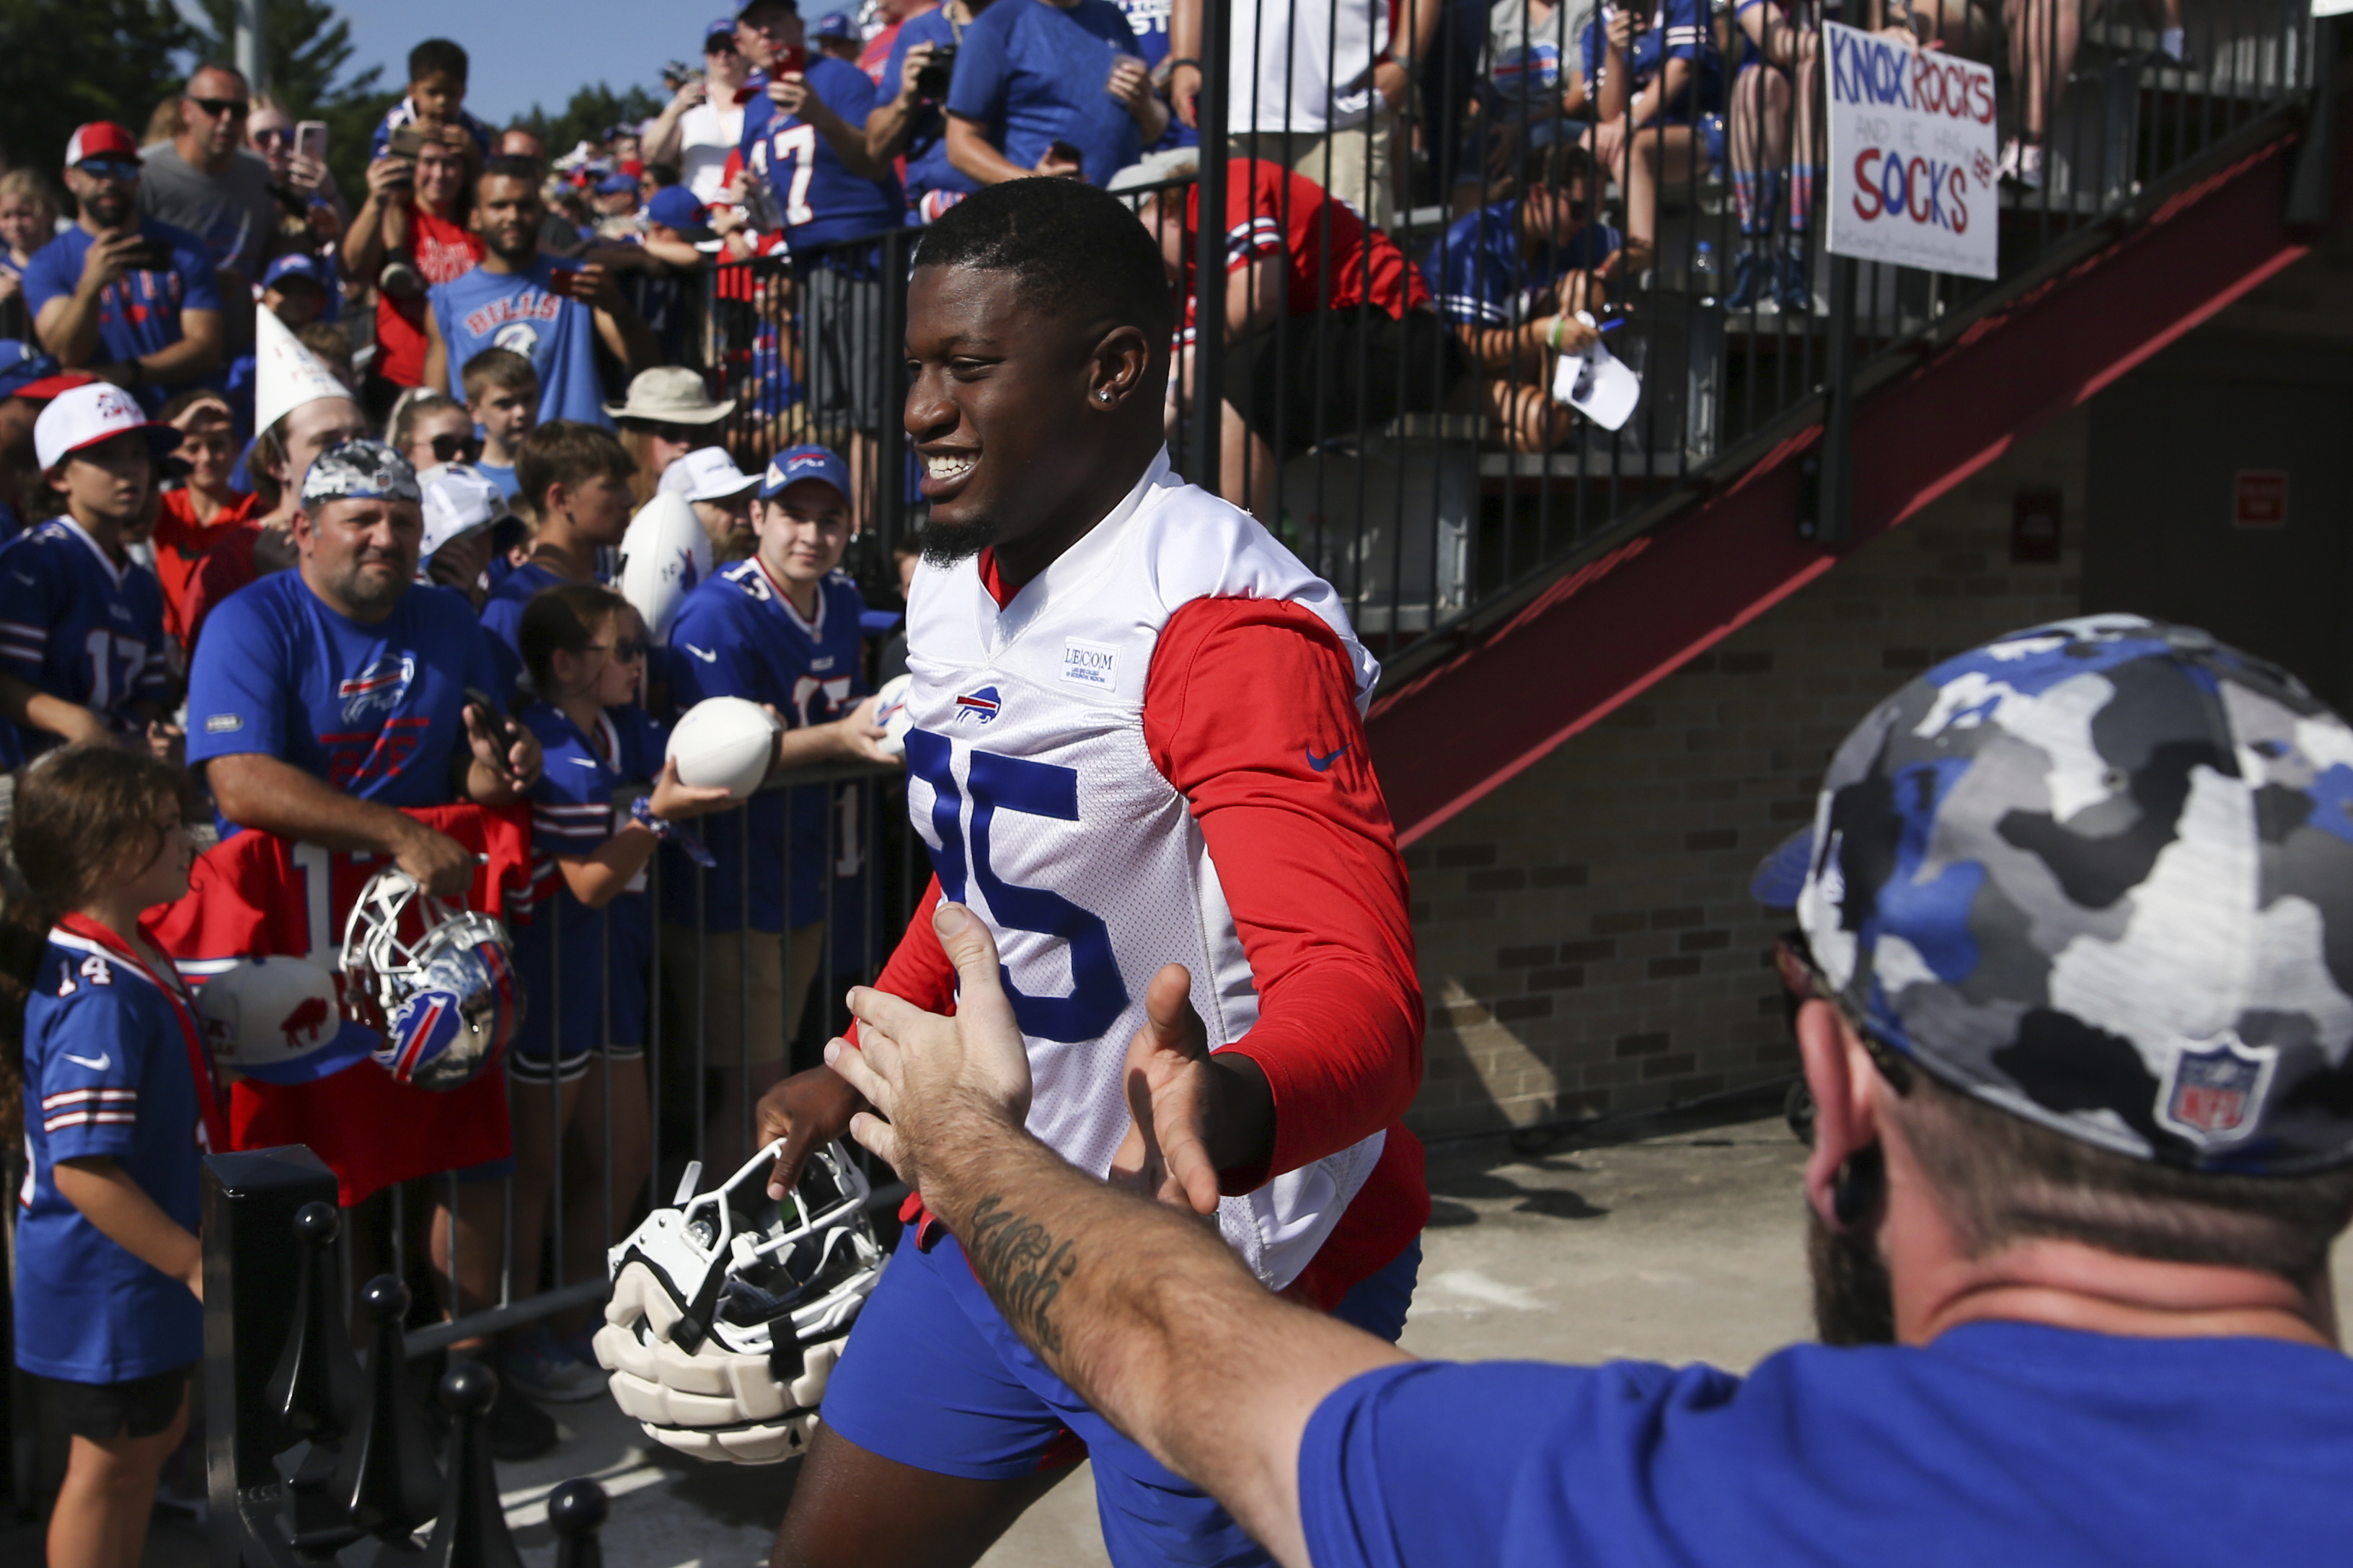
x: 1658, y: 96
x: 119, y: 1104
x: 781, y: 628
x: 583, y: 956
x: 82, y: 646
x: 1036, y: 80
x: 1511, y: 278
x: 2072, y: 1191
x: 574, y: 479
x: 135, y: 301
x: 517, y: 299
x: 914, y: 124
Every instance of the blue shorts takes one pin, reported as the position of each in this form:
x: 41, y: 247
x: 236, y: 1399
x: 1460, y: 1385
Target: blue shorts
x: 935, y: 1378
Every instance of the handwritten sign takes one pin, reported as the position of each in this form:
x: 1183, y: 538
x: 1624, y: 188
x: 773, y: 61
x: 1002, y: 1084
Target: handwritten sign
x: 1911, y: 174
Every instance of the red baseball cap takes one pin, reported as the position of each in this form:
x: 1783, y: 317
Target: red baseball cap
x: 101, y: 139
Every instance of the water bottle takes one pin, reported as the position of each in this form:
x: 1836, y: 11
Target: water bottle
x: 1702, y: 274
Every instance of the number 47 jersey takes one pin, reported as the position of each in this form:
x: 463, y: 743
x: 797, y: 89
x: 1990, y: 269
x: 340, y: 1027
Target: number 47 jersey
x: 78, y: 625
x: 1031, y: 780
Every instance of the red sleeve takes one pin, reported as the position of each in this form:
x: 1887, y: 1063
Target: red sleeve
x: 919, y: 969
x: 1306, y: 855
x: 225, y: 569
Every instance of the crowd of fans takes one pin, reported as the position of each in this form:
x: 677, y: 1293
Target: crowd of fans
x: 250, y: 422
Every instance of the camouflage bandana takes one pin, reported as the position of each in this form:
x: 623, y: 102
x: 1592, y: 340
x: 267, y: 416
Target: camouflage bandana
x: 360, y: 470
x: 2100, y: 874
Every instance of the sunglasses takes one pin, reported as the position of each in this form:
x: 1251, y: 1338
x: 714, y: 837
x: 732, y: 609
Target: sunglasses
x: 219, y: 107
x: 273, y: 133
x: 110, y: 168
x: 720, y: 44
x: 449, y: 449
x: 628, y: 650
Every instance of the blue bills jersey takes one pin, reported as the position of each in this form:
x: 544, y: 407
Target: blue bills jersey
x: 738, y: 636
x: 815, y: 196
x: 107, y: 1074
x: 1031, y: 73
x: 583, y: 993
x: 522, y: 313
x: 1677, y: 29
x: 375, y: 709
x: 1484, y: 277
x: 79, y: 626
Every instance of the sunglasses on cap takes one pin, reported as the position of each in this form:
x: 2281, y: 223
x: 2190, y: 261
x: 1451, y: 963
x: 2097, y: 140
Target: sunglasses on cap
x: 110, y: 168
x: 450, y: 447
x: 219, y: 107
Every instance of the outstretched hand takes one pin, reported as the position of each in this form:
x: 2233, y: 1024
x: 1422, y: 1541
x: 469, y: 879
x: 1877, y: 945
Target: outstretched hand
x: 1172, y: 1093
x: 919, y: 1069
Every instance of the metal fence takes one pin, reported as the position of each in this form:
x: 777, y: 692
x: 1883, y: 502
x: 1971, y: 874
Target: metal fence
x: 1423, y: 484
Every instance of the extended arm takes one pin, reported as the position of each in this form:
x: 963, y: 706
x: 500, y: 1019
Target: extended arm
x: 23, y: 703
x: 1146, y: 1313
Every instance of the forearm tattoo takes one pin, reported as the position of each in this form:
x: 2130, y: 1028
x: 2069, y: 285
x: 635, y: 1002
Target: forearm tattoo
x: 1023, y: 1266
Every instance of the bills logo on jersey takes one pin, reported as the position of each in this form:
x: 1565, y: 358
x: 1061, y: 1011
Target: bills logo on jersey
x: 378, y: 688
x: 2214, y: 1094
x: 980, y: 705
x: 517, y: 338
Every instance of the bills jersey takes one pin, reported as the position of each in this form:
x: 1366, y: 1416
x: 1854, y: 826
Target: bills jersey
x: 1030, y: 781
x: 260, y: 895
x: 1677, y: 29
x: 111, y: 1062
x: 815, y: 195
x: 571, y: 956
x: 376, y: 708
x: 523, y: 314
x: 1487, y: 277
x: 80, y: 625
x: 738, y: 636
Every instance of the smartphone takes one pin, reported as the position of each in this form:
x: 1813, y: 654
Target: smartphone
x: 311, y: 140
x: 1064, y: 151
x: 406, y: 142
x: 560, y: 279
x: 794, y: 59
x: 151, y: 256
x: 509, y: 730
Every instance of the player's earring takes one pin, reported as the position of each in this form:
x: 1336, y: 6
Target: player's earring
x: 1857, y: 1187
x: 1103, y: 394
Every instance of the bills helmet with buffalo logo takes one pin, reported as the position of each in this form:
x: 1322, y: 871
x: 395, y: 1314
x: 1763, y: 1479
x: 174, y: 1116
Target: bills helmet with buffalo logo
x: 438, y: 977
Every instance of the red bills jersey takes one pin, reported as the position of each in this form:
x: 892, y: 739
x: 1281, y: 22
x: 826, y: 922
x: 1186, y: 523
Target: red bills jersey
x: 1329, y: 252
x: 260, y: 895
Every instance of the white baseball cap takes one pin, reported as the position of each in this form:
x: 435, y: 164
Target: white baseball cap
x: 459, y: 500
x: 710, y: 474
x: 88, y: 414
x: 276, y: 1019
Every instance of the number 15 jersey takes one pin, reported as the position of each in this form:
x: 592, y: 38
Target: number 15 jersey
x: 1031, y: 780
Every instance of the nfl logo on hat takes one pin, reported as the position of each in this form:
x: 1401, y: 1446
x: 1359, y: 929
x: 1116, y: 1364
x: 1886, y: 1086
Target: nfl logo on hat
x: 2209, y: 1095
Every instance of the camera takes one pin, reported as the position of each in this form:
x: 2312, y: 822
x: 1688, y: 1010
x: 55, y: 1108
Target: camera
x: 678, y: 73
x: 932, y: 81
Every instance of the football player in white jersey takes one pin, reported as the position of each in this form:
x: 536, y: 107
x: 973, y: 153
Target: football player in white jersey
x: 1138, y: 756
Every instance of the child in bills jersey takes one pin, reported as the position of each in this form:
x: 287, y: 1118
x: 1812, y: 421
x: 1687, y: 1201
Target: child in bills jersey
x: 118, y: 1103
x: 583, y: 954
x: 781, y: 628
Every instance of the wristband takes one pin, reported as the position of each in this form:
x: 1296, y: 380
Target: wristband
x: 641, y: 812
x: 1186, y: 60
x: 1552, y: 338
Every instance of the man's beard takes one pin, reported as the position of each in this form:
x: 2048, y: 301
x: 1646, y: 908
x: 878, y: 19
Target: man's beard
x: 521, y: 254
x: 1854, y: 1301
x: 108, y: 209
x: 946, y: 545
x: 364, y: 593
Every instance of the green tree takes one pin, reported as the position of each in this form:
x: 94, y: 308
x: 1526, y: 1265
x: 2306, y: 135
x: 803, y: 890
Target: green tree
x: 130, y: 55
x: 592, y: 111
x: 306, y: 54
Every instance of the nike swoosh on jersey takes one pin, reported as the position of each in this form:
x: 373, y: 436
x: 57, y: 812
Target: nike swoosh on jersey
x: 20, y: 577
x: 1322, y: 765
x: 705, y: 657
x: 581, y: 762
x: 104, y: 1061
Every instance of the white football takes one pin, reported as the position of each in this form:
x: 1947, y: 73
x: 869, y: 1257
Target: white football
x: 663, y: 556
x: 726, y: 741
x: 890, y: 713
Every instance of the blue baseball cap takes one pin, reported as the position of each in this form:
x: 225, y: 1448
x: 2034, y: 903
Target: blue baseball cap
x: 837, y: 25
x: 294, y: 264
x: 793, y: 464
x: 617, y: 184
x: 723, y: 24
x: 674, y: 206
x: 27, y: 372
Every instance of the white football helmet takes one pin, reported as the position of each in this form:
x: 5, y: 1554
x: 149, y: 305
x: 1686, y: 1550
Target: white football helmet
x: 729, y: 1308
x: 445, y: 1001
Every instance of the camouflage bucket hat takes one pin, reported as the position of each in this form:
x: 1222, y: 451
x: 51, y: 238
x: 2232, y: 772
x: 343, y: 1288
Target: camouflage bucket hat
x: 2100, y: 874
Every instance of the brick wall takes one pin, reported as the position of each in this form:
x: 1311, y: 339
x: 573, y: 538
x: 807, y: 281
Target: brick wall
x: 1587, y: 941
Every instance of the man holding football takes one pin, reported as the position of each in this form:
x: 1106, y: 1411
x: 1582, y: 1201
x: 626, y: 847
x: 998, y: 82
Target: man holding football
x: 1099, y: 776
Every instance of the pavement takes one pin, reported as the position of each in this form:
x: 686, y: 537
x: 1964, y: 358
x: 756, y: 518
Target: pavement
x: 1684, y: 1243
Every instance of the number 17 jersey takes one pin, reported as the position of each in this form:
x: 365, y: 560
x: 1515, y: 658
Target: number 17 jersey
x: 78, y: 625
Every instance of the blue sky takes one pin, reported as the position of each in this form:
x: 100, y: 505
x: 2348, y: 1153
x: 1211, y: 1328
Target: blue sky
x: 527, y: 51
